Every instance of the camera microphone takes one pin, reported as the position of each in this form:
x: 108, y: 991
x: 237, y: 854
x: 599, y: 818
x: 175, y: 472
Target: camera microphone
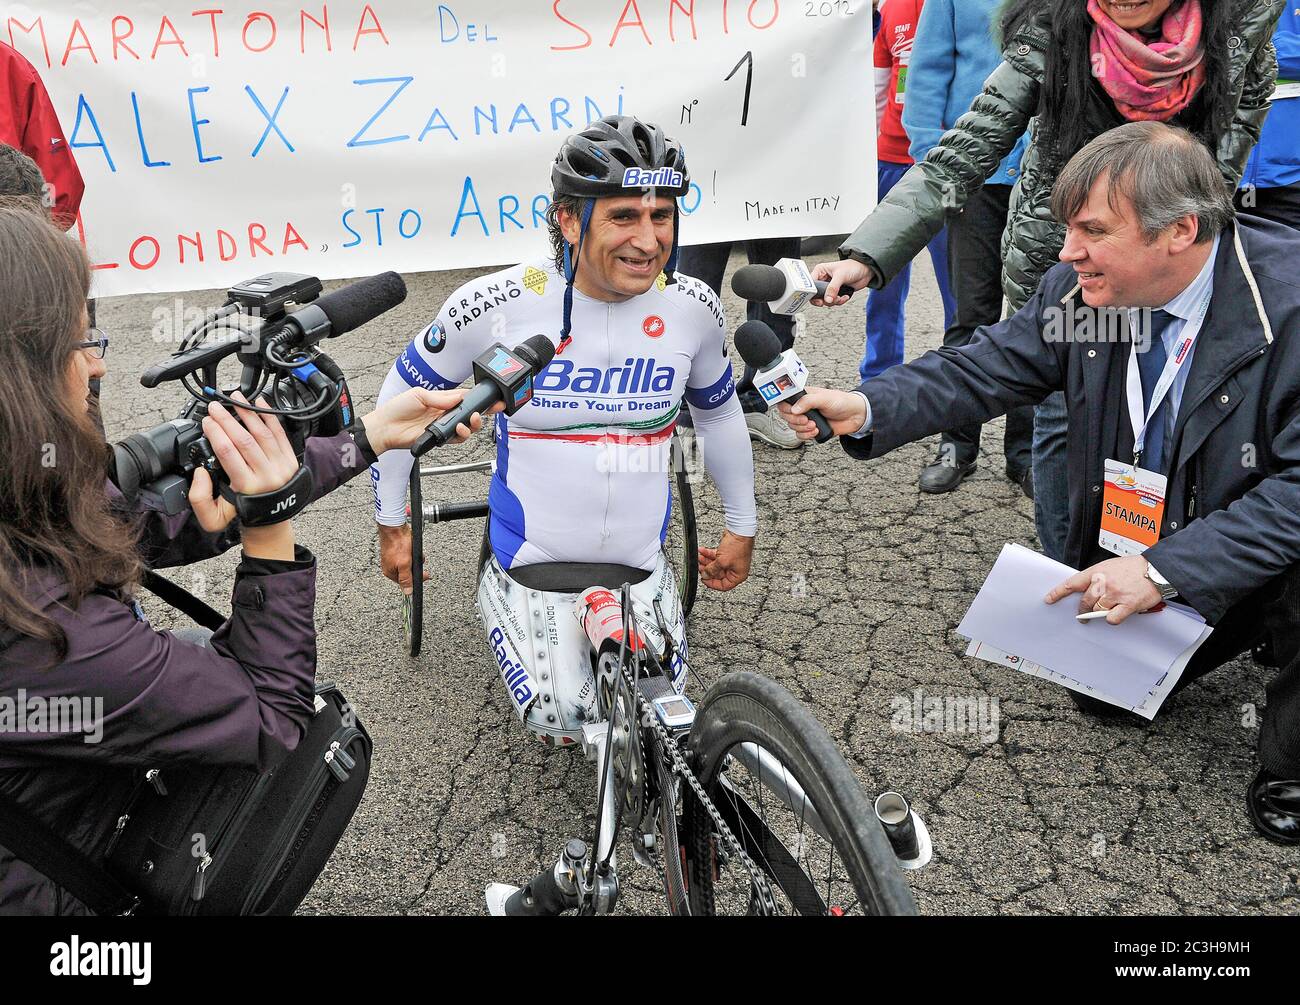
x: 786, y: 287
x: 779, y: 376
x: 500, y: 374
x: 341, y: 311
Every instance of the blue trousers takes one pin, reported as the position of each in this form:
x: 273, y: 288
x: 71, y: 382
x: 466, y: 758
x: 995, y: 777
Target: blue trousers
x: 884, y: 310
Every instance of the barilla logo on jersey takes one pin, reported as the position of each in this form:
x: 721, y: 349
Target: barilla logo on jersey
x: 516, y: 678
x: 635, y: 376
x: 1182, y: 351
x: 663, y: 177
x: 504, y: 365
x: 653, y: 326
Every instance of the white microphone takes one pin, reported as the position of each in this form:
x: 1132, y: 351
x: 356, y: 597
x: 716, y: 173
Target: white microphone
x: 787, y: 287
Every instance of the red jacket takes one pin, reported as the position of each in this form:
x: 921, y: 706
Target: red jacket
x: 28, y: 122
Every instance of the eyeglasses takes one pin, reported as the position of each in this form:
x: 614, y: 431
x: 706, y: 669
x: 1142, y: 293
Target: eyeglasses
x: 96, y: 343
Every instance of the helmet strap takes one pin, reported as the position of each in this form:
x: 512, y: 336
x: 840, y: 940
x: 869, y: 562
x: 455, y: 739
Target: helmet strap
x: 571, y: 256
x: 671, y: 268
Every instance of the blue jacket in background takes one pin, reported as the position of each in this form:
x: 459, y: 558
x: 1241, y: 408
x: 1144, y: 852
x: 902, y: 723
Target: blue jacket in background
x: 952, y: 55
x: 1276, y: 160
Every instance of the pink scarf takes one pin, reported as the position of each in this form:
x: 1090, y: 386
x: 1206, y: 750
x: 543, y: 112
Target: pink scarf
x: 1150, y: 81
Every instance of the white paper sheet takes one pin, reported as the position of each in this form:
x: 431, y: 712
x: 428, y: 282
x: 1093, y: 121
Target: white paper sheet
x: 1134, y: 665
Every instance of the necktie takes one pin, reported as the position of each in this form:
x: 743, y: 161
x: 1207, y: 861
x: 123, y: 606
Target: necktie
x: 1150, y: 365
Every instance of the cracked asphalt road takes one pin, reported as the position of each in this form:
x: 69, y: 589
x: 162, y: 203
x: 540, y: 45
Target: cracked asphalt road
x: 1058, y: 814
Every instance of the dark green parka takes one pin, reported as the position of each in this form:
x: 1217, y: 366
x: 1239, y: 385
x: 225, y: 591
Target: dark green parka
x: 915, y: 210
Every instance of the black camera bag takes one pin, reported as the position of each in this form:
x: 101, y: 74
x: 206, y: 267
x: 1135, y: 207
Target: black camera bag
x: 215, y: 841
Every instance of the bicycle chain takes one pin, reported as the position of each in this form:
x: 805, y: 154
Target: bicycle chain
x: 648, y: 717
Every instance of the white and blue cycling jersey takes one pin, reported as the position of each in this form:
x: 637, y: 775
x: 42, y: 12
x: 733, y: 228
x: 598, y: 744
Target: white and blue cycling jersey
x: 582, y: 470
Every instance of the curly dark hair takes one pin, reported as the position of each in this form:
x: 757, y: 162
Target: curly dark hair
x: 20, y: 177
x: 570, y: 204
x: 1074, y: 108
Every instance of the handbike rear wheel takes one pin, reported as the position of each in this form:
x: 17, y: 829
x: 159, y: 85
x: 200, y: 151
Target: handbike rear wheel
x: 681, y: 540
x: 821, y: 847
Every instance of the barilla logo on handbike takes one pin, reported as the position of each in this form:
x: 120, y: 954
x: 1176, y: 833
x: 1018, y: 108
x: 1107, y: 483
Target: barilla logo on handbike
x: 518, y: 683
x: 601, y: 617
x: 663, y: 177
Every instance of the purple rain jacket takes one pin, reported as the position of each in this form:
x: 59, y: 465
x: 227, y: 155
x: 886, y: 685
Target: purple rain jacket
x: 244, y: 701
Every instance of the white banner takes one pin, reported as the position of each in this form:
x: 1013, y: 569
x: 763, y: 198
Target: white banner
x: 342, y: 138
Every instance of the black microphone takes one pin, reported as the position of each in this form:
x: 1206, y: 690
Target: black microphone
x: 326, y: 317
x: 785, y: 287
x: 500, y: 374
x: 779, y: 376
x: 344, y: 310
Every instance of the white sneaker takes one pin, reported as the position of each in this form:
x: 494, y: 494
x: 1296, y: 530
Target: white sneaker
x: 772, y: 429
x: 496, y: 895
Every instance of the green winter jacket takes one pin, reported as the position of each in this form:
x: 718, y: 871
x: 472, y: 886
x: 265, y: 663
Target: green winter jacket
x: 914, y: 211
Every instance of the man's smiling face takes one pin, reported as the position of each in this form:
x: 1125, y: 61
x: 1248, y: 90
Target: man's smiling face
x: 1116, y: 264
x: 627, y: 245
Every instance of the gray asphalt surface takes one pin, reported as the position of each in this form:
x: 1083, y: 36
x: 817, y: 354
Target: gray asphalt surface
x: 858, y: 583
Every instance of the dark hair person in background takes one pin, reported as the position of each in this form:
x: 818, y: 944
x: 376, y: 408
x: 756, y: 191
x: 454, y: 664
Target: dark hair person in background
x: 20, y: 178
x: 70, y: 556
x: 1071, y: 70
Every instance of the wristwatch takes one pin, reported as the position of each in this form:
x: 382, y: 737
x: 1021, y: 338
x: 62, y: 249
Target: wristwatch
x: 1167, y: 590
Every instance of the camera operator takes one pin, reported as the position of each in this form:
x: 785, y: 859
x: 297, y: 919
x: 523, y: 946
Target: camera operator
x: 71, y: 553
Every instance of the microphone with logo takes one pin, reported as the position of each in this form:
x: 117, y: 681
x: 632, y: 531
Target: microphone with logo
x: 786, y: 287
x: 779, y: 376
x: 500, y: 374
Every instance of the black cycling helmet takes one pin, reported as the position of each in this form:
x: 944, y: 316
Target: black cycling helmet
x: 616, y: 155
x: 619, y: 155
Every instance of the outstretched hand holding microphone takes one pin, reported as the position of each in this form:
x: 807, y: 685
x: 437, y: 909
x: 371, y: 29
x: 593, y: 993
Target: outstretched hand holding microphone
x: 787, y: 288
x: 841, y: 279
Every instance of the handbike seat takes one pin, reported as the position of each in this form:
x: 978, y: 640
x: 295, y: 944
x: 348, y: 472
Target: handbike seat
x: 574, y: 577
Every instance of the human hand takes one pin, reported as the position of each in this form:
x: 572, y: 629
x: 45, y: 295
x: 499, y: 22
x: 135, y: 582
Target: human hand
x: 843, y: 410
x: 1117, y: 585
x: 255, y: 456
x: 726, y: 566
x: 395, y: 556
x: 848, y: 272
x: 400, y: 421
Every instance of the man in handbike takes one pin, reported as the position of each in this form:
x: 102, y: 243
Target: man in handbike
x: 580, y: 495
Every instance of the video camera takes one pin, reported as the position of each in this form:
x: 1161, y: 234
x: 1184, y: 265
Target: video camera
x: 273, y: 322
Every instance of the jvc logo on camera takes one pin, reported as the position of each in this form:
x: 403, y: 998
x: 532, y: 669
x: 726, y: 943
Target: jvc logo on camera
x: 284, y: 504
x: 102, y: 959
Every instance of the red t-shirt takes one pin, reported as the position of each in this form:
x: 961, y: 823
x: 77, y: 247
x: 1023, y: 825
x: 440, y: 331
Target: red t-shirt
x: 898, y: 20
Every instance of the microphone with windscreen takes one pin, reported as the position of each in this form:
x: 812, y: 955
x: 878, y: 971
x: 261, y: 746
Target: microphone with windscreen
x: 327, y: 316
x: 786, y: 287
x: 500, y: 374
x: 346, y: 309
x: 779, y: 376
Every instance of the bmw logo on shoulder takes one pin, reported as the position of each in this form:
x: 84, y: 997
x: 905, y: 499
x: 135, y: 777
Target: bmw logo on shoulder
x: 435, y: 337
